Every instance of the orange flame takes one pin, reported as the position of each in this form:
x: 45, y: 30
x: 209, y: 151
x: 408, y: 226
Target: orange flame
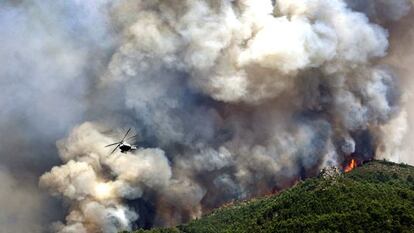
x: 349, y: 167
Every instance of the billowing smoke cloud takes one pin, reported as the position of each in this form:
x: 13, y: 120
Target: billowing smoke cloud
x: 231, y: 100
x: 50, y: 52
x: 398, y: 134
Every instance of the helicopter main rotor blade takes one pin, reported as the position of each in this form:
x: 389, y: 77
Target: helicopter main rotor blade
x: 115, y: 149
x: 132, y: 137
x: 126, y: 134
x: 113, y: 144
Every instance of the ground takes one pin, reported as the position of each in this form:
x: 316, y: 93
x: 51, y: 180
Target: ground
x: 376, y: 197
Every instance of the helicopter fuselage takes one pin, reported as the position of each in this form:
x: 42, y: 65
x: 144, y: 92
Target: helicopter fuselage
x: 125, y: 147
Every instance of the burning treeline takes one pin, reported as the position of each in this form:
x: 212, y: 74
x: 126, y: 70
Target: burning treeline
x: 232, y: 99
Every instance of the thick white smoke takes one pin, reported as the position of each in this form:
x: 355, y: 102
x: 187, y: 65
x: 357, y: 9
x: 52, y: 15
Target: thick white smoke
x: 232, y: 99
x: 99, y: 205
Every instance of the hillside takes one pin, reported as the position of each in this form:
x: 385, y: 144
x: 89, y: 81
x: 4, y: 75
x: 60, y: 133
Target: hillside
x: 377, y: 197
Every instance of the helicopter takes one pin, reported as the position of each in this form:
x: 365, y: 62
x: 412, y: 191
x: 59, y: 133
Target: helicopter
x: 123, y: 145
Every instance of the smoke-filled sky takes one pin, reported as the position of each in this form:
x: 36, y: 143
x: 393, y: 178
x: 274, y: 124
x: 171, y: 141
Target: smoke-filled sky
x: 231, y: 99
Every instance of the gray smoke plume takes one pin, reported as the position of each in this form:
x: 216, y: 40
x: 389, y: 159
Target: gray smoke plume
x: 231, y: 99
x: 49, y: 54
x: 396, y: 142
